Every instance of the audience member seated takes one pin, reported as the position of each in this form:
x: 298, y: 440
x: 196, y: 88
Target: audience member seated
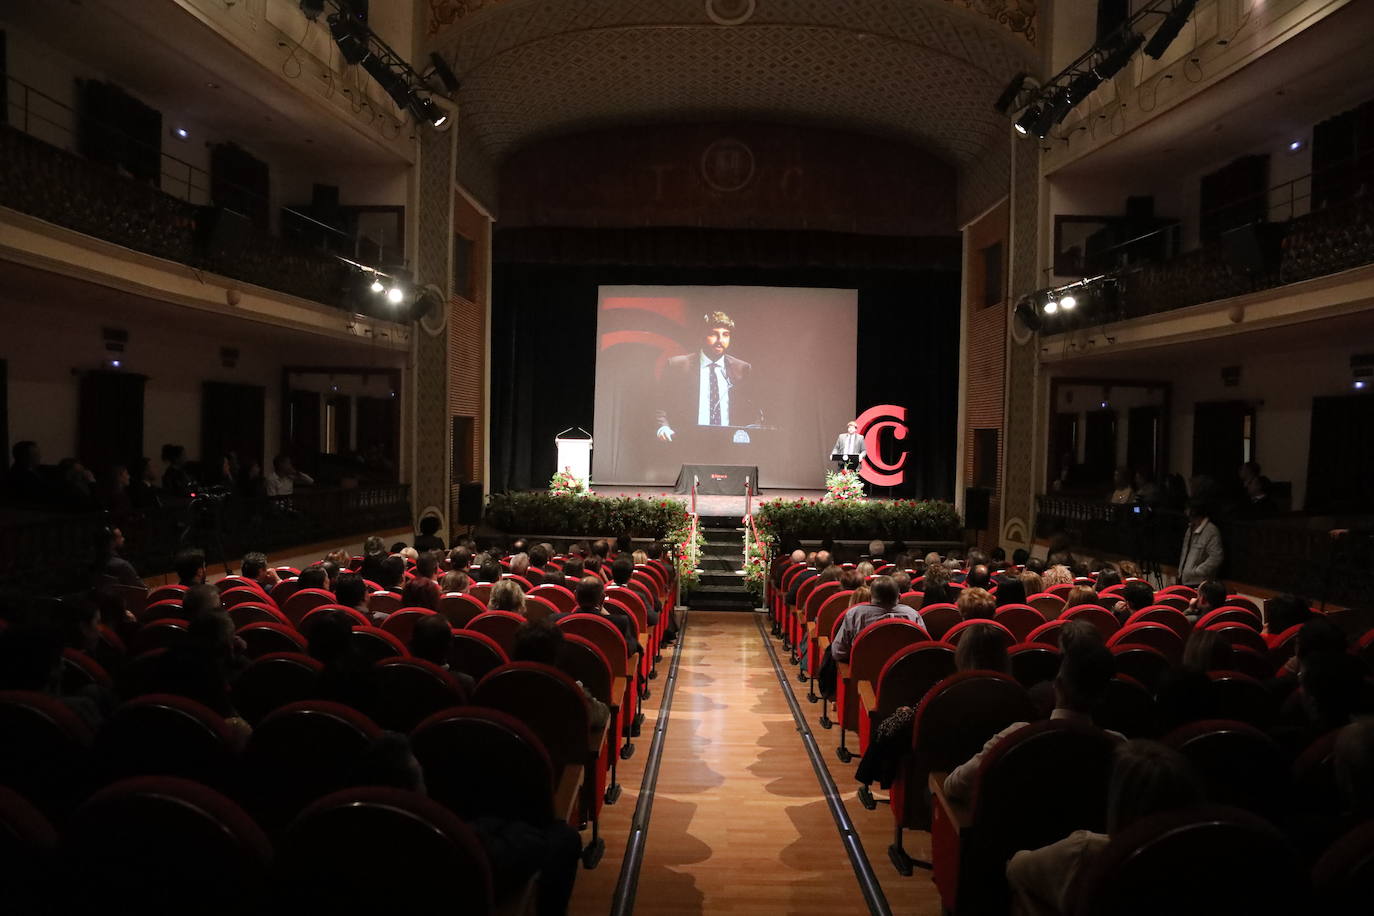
x: 539, y: 557
x: 1210, y: 596
x: 541, y: 641
x: 114, y: 566
x: 978, y: 577
x: 351, y: 591
x: 459, y: 558
x: 1136, y: 595
x: 982, y: 648
x: 591, y: 595
x: 455, y: 582
x: 203, y: 666
x: 1147, y: 778
x: 1011, y: 591
x: 282, y: 479
x: 176, y: 482
x: 976, y: 604
x: 393, y: 572
x: 255, y: 568
x: 1080, y: 595
x: 489, y: 570
x: 1059, y: 574
x: 190, y: 567
x: 1032, y: 583
x: 1183, y: 692
x: 507, y: 595
x: 313, y: 577
x: 1282, y: 612
x: 420, y: 592
x: 519, y: 564
x: 348, y: 676
x: 1108, y: 576
x: 621, y: 570
x: 430, y: 640
x: 428, y: 538
x: 200, y: 599
x: 31, y: 659
x: 374, y: 554
x: 1082, y: 682
x: 885, y: 602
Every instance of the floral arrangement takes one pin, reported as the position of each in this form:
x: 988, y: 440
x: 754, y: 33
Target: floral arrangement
x: 843, y: 485
x: 755, y: 565
x: 566, y: 483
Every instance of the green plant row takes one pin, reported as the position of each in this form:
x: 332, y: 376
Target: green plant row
x: 663, y: 519
x: 782, y: 521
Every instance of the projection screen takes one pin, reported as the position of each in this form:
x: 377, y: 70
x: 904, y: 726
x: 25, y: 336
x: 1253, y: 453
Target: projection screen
x: 731, y: 375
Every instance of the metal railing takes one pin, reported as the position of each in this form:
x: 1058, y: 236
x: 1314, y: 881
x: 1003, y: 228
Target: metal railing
x: 51, y: 553
x: 44, y: 176
x: 1294, y: 553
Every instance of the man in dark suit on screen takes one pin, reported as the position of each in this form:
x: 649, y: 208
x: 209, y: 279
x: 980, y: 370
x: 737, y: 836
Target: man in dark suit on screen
x: 708, y: 387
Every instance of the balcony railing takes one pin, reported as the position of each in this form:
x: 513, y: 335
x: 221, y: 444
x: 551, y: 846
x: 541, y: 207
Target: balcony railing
x: 1295, y: 244
x: 54, y: 554
x: 61, y: 187
x: 1291, y: 554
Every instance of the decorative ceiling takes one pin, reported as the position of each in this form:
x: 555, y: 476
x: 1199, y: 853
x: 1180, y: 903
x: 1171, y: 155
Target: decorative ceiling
x: 926, y: 71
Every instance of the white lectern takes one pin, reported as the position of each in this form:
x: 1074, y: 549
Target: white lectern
x: 575, y: 453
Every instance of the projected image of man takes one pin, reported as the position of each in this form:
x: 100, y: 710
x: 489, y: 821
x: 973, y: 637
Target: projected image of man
x: 708, y: 385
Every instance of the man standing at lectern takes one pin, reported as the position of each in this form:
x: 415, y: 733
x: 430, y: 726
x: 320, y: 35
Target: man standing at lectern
x: 851, y: 445
x: 708, y: 385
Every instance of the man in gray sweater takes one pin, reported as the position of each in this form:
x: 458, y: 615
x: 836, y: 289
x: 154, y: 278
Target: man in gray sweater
x: 1202, y: 554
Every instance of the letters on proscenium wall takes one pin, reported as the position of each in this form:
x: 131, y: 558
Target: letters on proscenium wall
x: 729, y: 176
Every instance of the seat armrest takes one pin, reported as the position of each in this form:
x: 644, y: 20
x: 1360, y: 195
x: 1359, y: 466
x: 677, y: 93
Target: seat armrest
x: 867, y: 697
x: 566, y: 798
x: 843, y: 668
x: 959, y: 814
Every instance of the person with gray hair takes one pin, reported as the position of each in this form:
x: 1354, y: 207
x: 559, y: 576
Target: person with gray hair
x: 884, y: 603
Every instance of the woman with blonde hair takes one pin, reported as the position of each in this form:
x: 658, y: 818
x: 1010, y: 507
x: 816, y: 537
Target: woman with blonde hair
x: 1033, y: 584
x: 1080, y: 594
x: 864, y: 569
x: 861, y: 595
x: 507, y: 595
x: 1058, y: 574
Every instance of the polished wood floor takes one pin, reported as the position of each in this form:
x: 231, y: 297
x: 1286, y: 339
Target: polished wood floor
x: 739, y: 823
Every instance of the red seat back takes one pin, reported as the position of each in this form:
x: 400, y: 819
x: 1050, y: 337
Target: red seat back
x: 562, y: 598
x: 273, y: 681
x: 940, y: 618
x: 1021, y: 619
x: 1239, y: 765
x: 266, y: 638
x: 1098, y: 616
x: 583, y: 661
x: 236, y: 596
x: 878, y: 642
x: 256, y: 612
x: 501, y: 626
x: 546, y: 700
x: 1047, y: 633
x: 602, y: 633
x: 910, y: 672
x: 45, y: 749
x: 319, y: 872
x: 1240, y: 634
x: 1033, y: 663
x: 1127, y: 707
x: 376, y: 644
x: 1046, y: 603
x: 959, y: 714
x: 1230, y: 615
x: 460, y: 608
x: 958, y: 630
x: 410, y: 690
x: 1154, y: 635
x: 1163, y: 614
x: 475, y: 654
x: 402, y: 623
x: 304, y: 601
x: 1143, y: 663
x: 383, y: 602
x: 159, y: 734
x: 512, y: 757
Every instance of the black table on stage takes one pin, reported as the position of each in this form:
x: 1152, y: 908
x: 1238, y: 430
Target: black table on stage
x: 718, y: 479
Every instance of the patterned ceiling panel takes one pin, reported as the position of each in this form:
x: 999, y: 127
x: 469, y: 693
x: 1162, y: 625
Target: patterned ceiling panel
x: 1020, y: 17
x: 923, y: 70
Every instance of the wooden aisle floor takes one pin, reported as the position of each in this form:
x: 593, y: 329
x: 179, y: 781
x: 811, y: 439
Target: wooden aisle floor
x: 739, y: 823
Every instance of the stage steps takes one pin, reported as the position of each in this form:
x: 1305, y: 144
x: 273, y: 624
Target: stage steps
x: 721, y: 587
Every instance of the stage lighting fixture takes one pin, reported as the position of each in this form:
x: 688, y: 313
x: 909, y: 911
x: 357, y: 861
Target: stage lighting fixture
x: 1362, y: 372
x: 444, y: 72
x: 1009, y: 94
x: 1083, y: 85
x: 1052, y: 112
x: 425, y: 107
x: 352, y: 44
x: 1168, y: 29
x: 1025, y: 313
x: 1119, y: 55
x: 1067, y: 303
x: 393, y: 84
x: 312, y: 9
x: 1027, y: 120
x: 1051, y: 306
x: 395, y: 295
x: 377, y: 286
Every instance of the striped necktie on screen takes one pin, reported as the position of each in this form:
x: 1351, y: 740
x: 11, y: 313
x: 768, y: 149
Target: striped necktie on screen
x: 714, y: 393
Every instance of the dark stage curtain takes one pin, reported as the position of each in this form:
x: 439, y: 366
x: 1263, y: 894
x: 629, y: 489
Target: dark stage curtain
x: 544, y: 355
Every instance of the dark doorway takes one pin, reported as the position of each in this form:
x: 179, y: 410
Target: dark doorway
x: 1223, y: 440
x: 110, y: 420
x: 1144, y: 439
x: 1340, y: 457
x: 1063, y: 446
x: 231, y: 420
x: 1099, y: 447
x: 379, y: 424
x: 301, y: 429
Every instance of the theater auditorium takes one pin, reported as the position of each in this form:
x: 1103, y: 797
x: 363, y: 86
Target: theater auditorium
x: 687, y: 457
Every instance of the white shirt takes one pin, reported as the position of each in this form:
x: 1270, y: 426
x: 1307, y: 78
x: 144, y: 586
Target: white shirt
x: 284, y: 486
x: 704, y: 391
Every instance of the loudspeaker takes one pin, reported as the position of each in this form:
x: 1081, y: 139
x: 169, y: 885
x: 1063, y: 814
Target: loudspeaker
x: 977, y: 507
x: 222, y: 233
x: 1253, y: 247
x: 470, y: 499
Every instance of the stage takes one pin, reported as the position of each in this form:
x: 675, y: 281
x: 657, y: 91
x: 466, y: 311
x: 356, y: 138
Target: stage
x: 707, y: 506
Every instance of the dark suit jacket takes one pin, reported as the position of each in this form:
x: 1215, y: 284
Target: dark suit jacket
x: 681, y: 383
